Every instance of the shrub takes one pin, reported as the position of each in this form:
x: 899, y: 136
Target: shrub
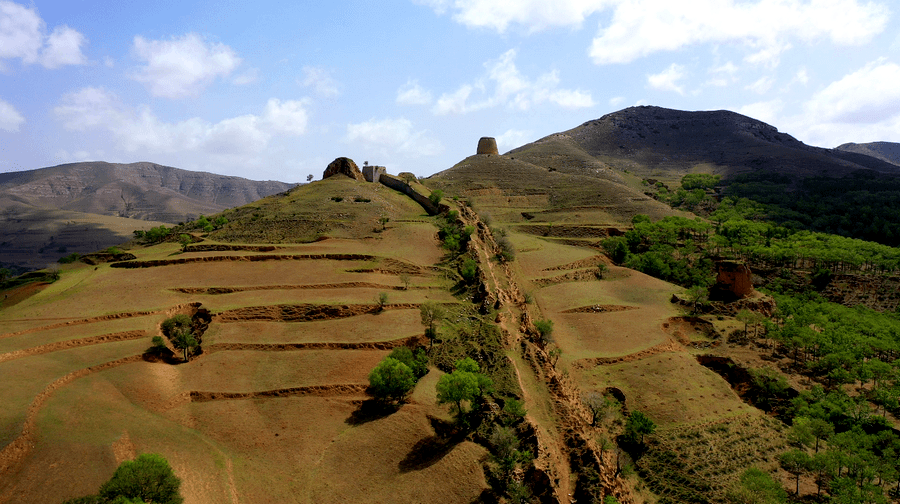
x: 360, y: 199
x: 469, y: 270
x: 69, y: 258
x: 337, y: 199
x: 391, y: 379
x: 436, y: 196
x: 545, y: 330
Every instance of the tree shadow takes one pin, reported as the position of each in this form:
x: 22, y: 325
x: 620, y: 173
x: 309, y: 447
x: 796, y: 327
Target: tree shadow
x: 431, y: 449
x: 369, y: 410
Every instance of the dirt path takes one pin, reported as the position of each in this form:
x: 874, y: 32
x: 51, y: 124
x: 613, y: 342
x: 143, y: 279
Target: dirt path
x: 19, y: 448
x: 65, y: 345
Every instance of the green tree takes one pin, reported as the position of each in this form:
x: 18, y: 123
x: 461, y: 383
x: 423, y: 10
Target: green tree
x: 148, y: 478
x: 469, y: 270
x: 391, y: 379
x: 545, y: 331
x: 465, y: 383
x: 381, y: 300
x: 795, y: 462
x: 436, y: 196
x: 184, y: 240
x: 416, y: 361
x: 180, y: 331
x: 638, y: 425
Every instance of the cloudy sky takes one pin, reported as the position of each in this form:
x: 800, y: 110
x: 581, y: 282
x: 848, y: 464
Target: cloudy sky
x: 276, y: 90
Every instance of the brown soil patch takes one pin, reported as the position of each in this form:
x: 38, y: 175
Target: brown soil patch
x: 668, y: 346
x: 64, y: 345
x: 123, y: 449
x: 601, y: 309
x: 303, y: 312
x: 574, y: 276
x: 17, y: 295
x: 22, y: 445
x: 410, y: 341
x: 583, y: 263
x: 341, y: 285
x: 682, y: 328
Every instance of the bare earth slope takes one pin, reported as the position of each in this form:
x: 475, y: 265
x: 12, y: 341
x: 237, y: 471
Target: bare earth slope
x: 139, y: 190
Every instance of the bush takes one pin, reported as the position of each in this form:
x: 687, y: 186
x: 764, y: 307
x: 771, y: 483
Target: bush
x: 391, y: 379
x: 69, y: 258
x: 469, y: 270
x: 416, y: 361
x: 545, y: 330
x: 435, y: 196
x: 337, y: 199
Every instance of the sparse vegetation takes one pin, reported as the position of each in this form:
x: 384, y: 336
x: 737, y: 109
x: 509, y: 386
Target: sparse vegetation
x: 148, y: 478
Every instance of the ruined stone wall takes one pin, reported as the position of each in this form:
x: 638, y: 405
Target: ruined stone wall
x: 399, y: 185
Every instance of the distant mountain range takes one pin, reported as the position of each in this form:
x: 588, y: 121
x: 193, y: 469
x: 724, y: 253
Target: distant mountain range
x: 885, y: 151
x: 146, y: 191
x: 84, y: 207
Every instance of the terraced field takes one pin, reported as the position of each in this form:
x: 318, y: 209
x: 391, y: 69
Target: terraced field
x: 273, y: 408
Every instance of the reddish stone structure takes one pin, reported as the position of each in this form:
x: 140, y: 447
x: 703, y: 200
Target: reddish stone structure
x: 732, y: 282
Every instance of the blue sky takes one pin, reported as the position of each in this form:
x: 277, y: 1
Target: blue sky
x: 276, y: 90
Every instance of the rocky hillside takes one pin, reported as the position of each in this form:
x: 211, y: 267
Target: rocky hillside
x: 664, y: 143
x: 144, y: 191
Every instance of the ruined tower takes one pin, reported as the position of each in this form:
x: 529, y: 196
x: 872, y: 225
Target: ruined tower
x: 487, y: 145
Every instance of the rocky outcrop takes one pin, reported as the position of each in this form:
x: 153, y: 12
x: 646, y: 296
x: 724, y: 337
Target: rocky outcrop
x: 733, y: 281
x: 343, y: 166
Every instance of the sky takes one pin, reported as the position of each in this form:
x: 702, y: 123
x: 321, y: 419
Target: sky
x: 276, y: 90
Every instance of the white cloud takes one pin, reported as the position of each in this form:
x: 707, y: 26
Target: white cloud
x: 766, y: 111
x: 182, y: 67
x: 868, y: 95
x: 534, y: 15
x: 139, y: 129
x: 668, y: 79
x: 512, y: 89
x: 250, y: 76
x: 10, y: 118
x: 412, y: 93
x: 394, y: 135
x: 638, y: 28
x: 615, y: 101
x: 802, y: 76
x: 642, y: 27
x: 288, y: 117
x: 320, y: 80
x: 723, y: 75
x: 63, y: 48
x: 762, y: 85
x: 23, y: 35
x: 511, y: 138
x: 862, y: 106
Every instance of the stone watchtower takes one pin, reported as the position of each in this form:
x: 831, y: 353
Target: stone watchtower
x: 373, y: 173
x: 487, y: 145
